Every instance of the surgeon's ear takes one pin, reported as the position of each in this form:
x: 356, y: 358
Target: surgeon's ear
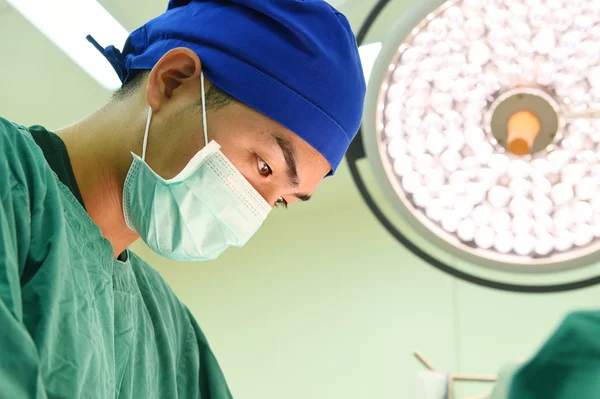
x: 177, y: 67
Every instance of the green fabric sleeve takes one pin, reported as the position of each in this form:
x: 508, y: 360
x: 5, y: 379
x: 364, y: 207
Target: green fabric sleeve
x: 568, y: 364
x: 20, y: 375
x: 197, y: 355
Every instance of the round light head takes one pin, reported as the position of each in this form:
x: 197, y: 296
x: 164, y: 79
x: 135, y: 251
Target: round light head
x: 471, y: 134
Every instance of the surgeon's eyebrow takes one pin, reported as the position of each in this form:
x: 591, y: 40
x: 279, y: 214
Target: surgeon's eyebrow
x: 289, y: 154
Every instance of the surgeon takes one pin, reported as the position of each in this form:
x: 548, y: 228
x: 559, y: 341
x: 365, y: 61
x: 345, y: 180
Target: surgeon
x: 228, y: 109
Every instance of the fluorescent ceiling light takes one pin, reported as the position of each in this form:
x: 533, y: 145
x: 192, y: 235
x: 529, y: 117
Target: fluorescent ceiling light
x: 67, y: 22
x: 368, y: 54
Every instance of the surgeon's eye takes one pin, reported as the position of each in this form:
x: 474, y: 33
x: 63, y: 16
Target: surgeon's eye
x: 281, y: 203
x: 264, y: 168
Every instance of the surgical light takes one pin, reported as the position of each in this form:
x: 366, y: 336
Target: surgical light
x: 483, y: 124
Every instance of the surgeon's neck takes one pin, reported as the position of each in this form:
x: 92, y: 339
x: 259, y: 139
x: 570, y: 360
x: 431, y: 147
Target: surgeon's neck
x: 98, y: 147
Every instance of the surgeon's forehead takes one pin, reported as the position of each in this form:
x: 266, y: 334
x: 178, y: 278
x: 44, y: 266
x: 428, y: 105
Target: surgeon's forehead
x: 262, y: 127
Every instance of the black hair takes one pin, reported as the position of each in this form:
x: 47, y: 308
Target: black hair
x: 215, y: 97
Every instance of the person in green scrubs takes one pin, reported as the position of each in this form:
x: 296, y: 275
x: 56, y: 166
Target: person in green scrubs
x: 228, y: 109
x: 567, y: 366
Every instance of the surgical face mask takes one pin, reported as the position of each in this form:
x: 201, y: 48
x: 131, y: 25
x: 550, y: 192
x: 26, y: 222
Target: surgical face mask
x: 195, y: 216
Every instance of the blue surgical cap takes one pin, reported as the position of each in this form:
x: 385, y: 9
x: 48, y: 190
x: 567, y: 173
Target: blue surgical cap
x: 294, y: 61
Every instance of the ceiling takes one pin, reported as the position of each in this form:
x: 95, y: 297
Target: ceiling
x: 5, y: 7
x: 41, y: 85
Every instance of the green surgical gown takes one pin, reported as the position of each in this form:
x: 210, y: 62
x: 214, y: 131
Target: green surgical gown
x: 75, y: 322
x: 567, y: 366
